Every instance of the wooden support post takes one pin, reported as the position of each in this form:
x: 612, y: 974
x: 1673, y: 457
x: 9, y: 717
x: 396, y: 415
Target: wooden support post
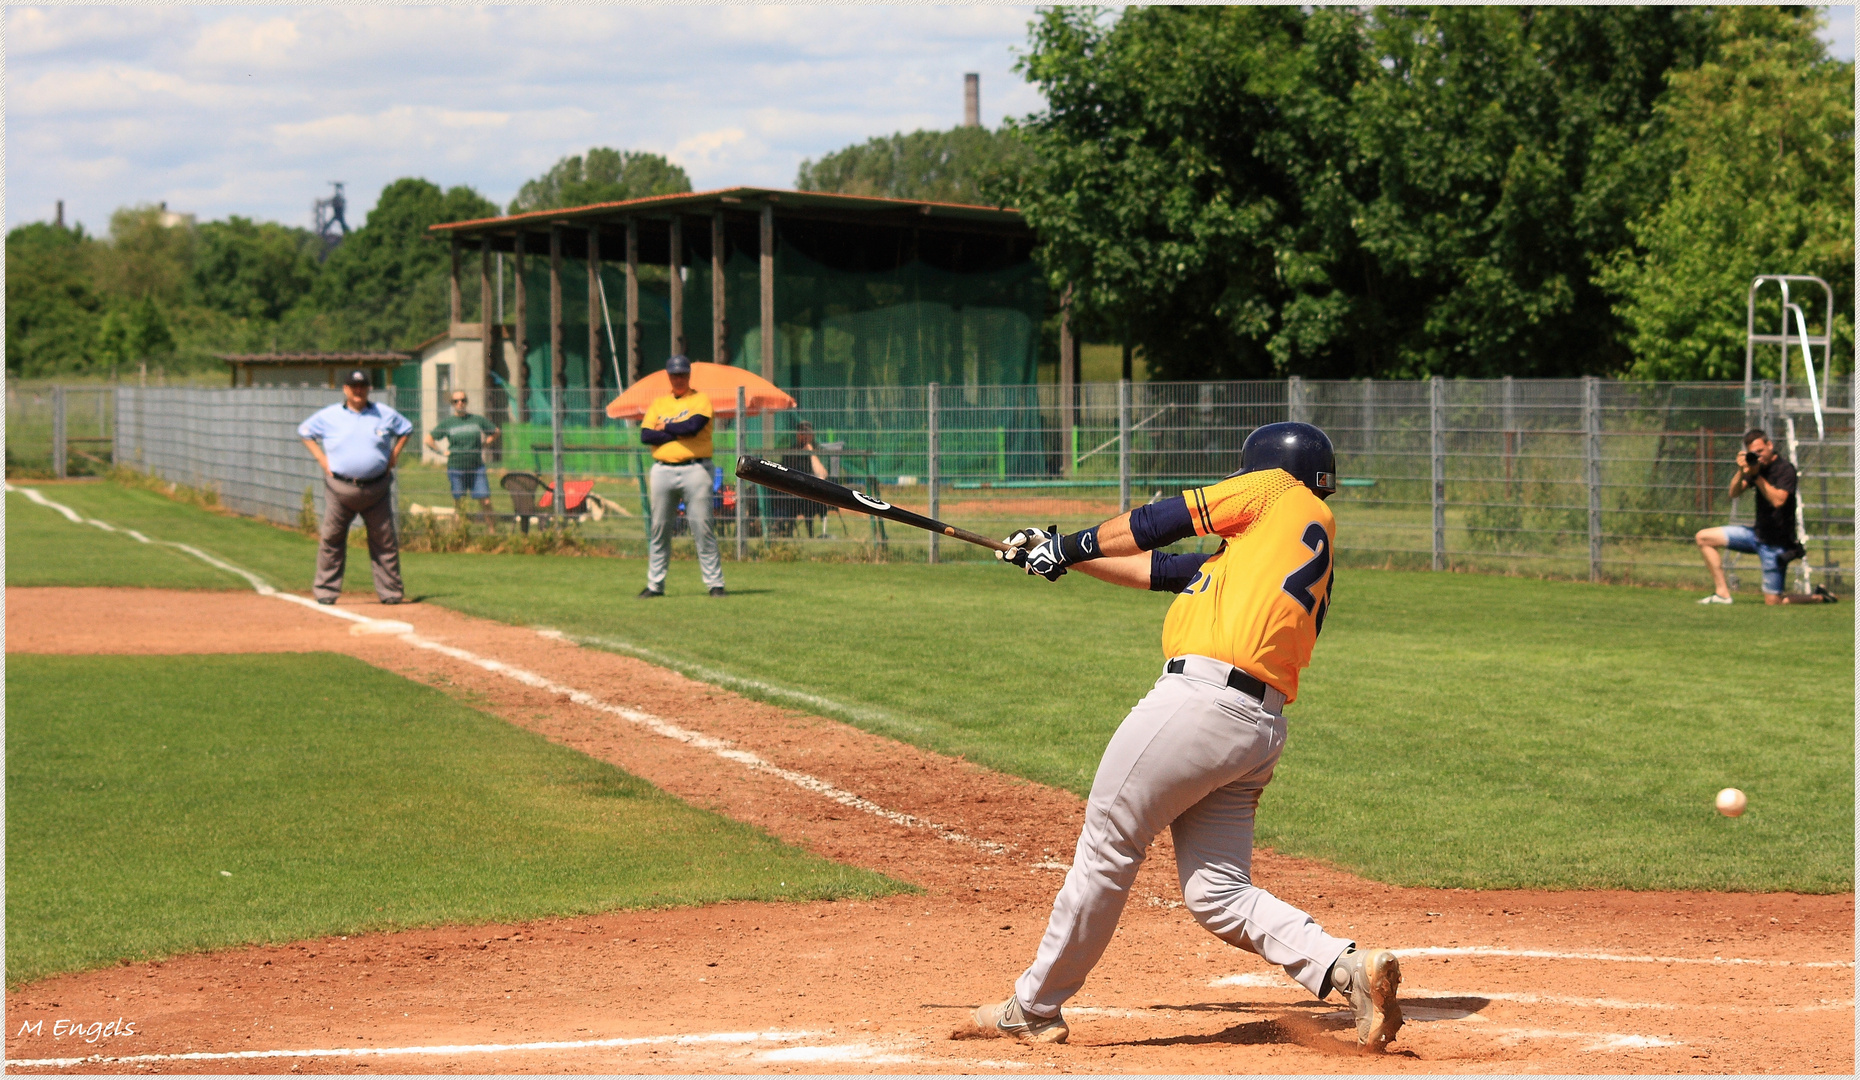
x: 456, y: 295
x: 558, y: 362
x: 488, y: 331
x: 765, y: 258
x: 595, y: 366
x: 632, y: 301
x: 677, y: 263
x: 1068, y: 384
x: 520, y: 390
x: 719, y: 314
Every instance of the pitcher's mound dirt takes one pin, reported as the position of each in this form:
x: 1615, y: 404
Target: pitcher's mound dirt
x: 879, y: 987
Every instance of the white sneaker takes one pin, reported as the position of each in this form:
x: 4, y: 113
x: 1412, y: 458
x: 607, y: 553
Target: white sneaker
x: 1714, y: 598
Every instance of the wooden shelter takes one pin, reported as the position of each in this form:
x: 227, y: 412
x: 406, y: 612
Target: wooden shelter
x: 309, y: 368
x: 703, y: 229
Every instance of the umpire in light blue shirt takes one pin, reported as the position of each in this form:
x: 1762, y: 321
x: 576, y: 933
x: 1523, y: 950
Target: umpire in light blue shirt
x: 358, y: 443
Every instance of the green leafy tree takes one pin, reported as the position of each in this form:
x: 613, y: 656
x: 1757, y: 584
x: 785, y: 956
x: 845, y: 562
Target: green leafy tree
x: 387, y: 287
x: 605, y: 175
x: 1345, y: 191
x: 1760, y: 139
x: 145, y: 257
x: 52, y: 305
x: 253, y: 270
x: 962, y: 165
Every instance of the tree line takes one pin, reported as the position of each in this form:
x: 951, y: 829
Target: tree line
x: 1238, y: 192
x: 159, y: 292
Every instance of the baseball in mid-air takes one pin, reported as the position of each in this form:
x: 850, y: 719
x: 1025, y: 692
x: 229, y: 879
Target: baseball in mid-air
x: 1731, y: 802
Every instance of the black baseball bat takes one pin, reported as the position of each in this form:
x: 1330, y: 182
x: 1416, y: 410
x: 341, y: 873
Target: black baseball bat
x: 808, y: 486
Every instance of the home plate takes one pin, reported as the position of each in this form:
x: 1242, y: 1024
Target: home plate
x: 381, y: 626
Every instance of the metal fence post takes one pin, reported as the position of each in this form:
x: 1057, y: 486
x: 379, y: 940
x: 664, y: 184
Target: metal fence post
x: 1592, y: 453
x: 1369, y: 416
x: 1437, y: 429
x: 1766, y: 419
x: 933, y: 453
x: 58, y: 432
x: 555, y: 450
x: 1123, y: 446
x: 742, y: 518
x: 1295, y: 399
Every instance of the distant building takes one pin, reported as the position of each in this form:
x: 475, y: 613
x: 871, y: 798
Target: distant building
x: 169, y: 219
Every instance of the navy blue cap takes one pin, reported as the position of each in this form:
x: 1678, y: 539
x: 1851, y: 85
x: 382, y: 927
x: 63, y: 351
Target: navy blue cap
x: 678, y: 365
x: 357, y: 377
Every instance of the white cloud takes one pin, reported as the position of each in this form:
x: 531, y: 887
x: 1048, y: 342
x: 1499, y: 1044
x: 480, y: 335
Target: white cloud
x: 244, y: 110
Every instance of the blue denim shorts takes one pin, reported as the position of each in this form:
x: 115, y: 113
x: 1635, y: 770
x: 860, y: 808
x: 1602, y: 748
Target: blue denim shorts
x: 1744, y: 538
x: 471, y: 483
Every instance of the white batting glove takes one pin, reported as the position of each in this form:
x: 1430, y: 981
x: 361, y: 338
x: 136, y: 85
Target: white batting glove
x: 1036, y: 551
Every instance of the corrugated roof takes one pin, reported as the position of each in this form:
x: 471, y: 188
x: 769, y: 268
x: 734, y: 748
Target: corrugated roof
x: 315, y: 358
x: 735, y: 197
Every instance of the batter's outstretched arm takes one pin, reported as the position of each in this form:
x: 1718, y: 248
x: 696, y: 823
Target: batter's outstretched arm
x: 1157, y: 571
x: 1144, y: 529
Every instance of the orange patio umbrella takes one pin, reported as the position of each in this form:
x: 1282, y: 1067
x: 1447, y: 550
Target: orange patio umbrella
x: 718, y: 381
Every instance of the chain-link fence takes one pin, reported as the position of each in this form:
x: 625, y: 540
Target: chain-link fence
x: 1578, y: 478
x: 54, y: 431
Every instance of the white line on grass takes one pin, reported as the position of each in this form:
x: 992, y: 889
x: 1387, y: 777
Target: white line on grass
x: 724, y: 678
x: 723, y: 748
x: 1541, y: 954
x: 734, y: 1037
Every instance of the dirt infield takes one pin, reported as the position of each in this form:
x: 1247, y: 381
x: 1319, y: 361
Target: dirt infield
x: 1635, y: 983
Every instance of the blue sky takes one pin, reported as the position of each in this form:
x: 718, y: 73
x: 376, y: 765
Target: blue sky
x: 252, y: 110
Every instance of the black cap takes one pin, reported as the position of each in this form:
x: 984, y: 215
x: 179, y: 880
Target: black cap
x: 678, y: 365
x: 357, y: 377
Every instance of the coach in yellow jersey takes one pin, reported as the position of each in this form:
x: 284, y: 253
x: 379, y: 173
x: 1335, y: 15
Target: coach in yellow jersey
x: 677, y: 427
x: 1195, y: 753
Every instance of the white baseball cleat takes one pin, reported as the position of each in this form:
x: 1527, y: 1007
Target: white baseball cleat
x: 1010, y: 1020
x: 1370, y: 980
x: 1714, y: 598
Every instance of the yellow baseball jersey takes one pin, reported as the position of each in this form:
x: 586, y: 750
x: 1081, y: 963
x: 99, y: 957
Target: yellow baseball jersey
x: 1259, y: 602
x: 669, y: 410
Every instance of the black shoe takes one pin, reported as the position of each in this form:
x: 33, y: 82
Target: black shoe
x: 1826, y: 596
x: 717, y: 590
x: 647, y: 594
x: 391, y: 600
x: 326, y: 600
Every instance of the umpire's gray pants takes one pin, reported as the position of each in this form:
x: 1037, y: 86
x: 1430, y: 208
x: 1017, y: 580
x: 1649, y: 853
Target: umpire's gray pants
x: 1193, y: 755
x: 342, y: 501
x: 691, y: 483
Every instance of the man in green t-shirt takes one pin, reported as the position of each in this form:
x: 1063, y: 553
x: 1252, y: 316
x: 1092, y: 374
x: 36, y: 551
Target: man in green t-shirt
x: 466, y: 437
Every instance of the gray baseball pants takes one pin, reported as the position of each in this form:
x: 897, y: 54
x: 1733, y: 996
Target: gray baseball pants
x: 691, y: 483
x: 342, y: 501
x: 1193, y: 755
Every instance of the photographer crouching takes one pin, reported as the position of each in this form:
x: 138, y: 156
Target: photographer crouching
x: 1773, y: 538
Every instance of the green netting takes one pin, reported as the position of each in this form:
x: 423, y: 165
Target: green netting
x: 907, y: 325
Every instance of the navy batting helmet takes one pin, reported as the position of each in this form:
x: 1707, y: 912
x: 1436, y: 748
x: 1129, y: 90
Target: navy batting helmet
x: 1299, y: 449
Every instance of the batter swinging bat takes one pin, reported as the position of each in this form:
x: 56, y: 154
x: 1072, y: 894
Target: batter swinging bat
x: 808, y: 486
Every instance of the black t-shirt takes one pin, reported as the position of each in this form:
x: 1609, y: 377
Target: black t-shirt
x: 1776, y: 524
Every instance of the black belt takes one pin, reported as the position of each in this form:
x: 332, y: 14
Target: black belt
x: 1236, y: 678
x: 353, y: 480
x: 687, y: 461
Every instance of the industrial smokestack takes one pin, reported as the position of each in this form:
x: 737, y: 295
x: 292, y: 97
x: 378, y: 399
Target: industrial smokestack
x: 972, y: 99
x: 61, y: 214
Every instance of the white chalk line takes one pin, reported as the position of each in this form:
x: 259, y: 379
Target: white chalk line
x: 722, y: 748
x: 1542, y: 954
x: 720, y: 677
x: 725, y: 1037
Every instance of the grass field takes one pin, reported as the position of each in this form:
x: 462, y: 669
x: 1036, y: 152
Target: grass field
x: 1454, y: 730
x: 158, y: 805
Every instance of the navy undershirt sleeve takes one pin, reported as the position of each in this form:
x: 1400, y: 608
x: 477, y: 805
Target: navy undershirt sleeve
x: 684, y: 429
x: 654, y: 437
x: 1172, y: 573
x: 1160, y: 524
